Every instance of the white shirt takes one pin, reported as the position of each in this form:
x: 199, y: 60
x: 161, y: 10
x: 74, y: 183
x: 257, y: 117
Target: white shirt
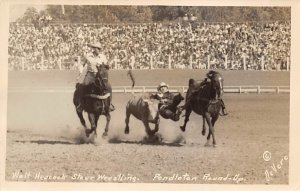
x: 93, y: 61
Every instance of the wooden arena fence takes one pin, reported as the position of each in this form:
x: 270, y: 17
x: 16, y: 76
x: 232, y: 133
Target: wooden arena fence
x: 142, y: 89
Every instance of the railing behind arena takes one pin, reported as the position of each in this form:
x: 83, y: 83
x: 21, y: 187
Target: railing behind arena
x: 227, y: 89
x: 143, y: 89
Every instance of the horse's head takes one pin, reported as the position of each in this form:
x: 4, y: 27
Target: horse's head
x: 101, y: 76
x: 217, y: 82
x: 102, y: 72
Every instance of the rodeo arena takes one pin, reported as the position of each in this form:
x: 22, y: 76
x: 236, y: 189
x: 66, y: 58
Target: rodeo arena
x: 196, y: 103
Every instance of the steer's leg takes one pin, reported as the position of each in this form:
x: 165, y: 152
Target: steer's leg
x: 156, y: 125
x: 148, y: 129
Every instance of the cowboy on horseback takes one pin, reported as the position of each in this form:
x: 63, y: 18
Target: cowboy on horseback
x: 166, y: 99
x: 209, y: 78
x: 92, y: 61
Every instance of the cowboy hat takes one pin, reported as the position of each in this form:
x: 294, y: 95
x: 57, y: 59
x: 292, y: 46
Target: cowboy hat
x: 162, y: 84
x: 95, y: 45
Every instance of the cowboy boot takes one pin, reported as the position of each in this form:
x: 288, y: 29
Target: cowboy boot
x: 111, y: 107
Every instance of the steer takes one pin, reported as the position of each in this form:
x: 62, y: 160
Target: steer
x: 144, y: 109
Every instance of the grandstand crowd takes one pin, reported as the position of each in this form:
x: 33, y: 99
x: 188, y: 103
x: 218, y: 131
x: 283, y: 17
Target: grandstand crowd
x: 142, y: 46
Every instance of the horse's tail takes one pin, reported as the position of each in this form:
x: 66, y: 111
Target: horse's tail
x: 129, y: 73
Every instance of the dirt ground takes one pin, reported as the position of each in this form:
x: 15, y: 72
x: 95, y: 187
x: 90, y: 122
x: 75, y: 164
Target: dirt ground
x: 45, y: 143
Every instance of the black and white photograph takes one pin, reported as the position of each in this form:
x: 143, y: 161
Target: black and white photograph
x: 164, y: 94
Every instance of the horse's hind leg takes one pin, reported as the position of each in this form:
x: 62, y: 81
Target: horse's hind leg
x: 126, y: 131
x: 108, y: 117
x: 186, y: 119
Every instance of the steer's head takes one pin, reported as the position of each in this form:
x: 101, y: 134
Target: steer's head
x: 151, y: 109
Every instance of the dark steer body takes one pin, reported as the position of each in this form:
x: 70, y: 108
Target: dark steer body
x: 145, y: 110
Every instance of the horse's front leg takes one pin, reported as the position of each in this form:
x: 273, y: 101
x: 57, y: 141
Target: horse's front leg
x: 186, y: 119
x: 210, y: 123
x: 108, y: 117
x: 82, y: 121
x: 96, y: 122
x: 203, y: 126
x: 93, y: 122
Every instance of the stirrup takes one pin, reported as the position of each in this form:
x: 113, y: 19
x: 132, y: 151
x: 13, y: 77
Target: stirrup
x: 223, y: 113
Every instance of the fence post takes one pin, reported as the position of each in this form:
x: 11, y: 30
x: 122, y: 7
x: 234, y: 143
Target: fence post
x: 151, y: 62
x: 226, y: 62
x: 277, y: 89
x: 59, y: 63
x: 208, y: 62
x: 191, y: 62
x: 23, y: 63
x: 258, y: 89
x: 79, y: 60
x: 244, y: 62
x: 42, y: 63
x: 287, y: 63
x: 262, y: 63
x: 169, y: 66
x: 240, y: 89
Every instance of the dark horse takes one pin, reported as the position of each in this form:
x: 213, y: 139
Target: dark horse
x: 205, y: 101
x: 95, y: 102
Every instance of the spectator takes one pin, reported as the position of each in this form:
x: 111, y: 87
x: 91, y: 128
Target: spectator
x: 138, y: 44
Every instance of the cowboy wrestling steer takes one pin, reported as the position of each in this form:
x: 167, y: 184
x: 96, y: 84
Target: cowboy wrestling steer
x: 145, y: 110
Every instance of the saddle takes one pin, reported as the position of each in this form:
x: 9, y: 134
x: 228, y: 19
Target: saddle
x: 105, y: 96
x: 87, y: 92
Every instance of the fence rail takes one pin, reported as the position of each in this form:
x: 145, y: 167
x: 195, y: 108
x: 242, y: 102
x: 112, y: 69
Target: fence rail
x: 144, y: 89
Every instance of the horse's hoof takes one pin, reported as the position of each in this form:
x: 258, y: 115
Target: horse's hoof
x: 215, y: 145
x: 207, y: 145
x: 203, y: 133
x: 87, y: 133
x: 126, y: 131
x: 104, y: 134
x: 182, y: 128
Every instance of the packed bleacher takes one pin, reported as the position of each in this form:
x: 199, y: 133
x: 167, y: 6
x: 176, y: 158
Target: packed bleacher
x: 236, y: 46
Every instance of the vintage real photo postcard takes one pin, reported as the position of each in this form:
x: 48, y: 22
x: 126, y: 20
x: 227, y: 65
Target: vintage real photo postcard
x: 160, y: 95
